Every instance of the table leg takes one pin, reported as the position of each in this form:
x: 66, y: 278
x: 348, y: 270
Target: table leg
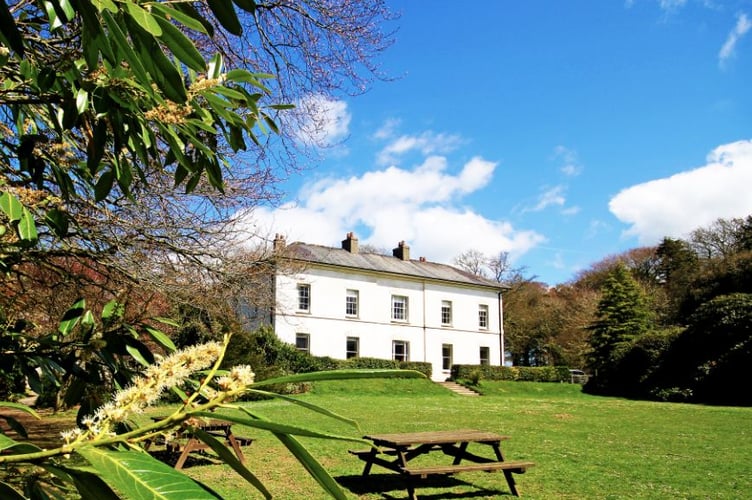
x: 369, y: 462
x: 187, y: 449
x: 235, y: 446
x: 507, y: 473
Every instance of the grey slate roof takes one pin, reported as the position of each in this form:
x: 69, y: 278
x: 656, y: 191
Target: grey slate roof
x: 386, y: 264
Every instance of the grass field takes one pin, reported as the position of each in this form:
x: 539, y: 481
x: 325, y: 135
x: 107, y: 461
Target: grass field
x: 583, y: 446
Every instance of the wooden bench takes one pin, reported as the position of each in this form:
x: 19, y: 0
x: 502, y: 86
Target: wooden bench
x: 423, y: 472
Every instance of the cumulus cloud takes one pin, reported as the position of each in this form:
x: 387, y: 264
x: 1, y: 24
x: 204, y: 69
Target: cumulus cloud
x: 421, y: 205
x: 742, y: 27
x: 427, y: 143
x: 676, y: 205
x: 324, y: 121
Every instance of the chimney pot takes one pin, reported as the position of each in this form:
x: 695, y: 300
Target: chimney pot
x: 402, y: 251
x: 350, y: 243
x: 279, y: 242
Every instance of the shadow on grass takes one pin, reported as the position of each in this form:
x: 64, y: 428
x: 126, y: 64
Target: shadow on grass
x: 194, y: 459
x: 395, y: 486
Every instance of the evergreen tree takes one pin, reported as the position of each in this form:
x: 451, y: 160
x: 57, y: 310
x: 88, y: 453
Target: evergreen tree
x: 622, y: 316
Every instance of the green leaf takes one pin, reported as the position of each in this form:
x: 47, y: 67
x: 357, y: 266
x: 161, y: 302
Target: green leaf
x: 278, y: 427
x: 104, y: 185
x: 308, y: 406
x: 21, y: 407
x: 160, y: 337
x: 71, y: 317
x: 88, y: 484
x: 7, y: 492
x: 8, y: 30
x: 9, y: 445
x: 183, y: 18
x: 143, y: 18
x: 314, y: 468
x: 246, y: 5
x: 57, y: 220
x: 82, y: 101
x: 136, y: 474
x: 27, y: 228
x: 181, y: 46
x: 121, y: 43
x: 10, y: 205
x: 105, y: 4
x: 136, y: 354
x: 112, y: 310
x: 226, y: 15
x: 230, y: 459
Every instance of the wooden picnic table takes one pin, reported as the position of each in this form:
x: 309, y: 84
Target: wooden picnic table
x: 395, y: 452
x: 186, y: 442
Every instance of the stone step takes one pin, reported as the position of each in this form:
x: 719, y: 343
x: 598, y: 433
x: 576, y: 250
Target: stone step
x: 458, y: 389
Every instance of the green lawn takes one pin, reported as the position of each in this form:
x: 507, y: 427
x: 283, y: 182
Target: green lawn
x: 583, y: 446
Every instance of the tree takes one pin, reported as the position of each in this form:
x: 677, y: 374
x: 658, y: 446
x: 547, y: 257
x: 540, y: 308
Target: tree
x: 622, y: 316
x: 117, y: 124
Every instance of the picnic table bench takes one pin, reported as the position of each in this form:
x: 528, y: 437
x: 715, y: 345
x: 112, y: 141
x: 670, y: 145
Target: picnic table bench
x: 395, y: 451
x: 186, y: 442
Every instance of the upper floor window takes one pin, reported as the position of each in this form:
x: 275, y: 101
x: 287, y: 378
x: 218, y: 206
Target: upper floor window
x: 304, y: 297
x: 399, y: 307
x: 351, y: 303
x: 483, y: 316
x: 446, y: 312
x: 303, y: 342
x: 401, y: 350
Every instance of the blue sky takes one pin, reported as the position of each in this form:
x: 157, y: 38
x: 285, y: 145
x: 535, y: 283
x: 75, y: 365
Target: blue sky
x: 561, y: 132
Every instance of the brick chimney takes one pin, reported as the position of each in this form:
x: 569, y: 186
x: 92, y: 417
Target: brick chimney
x: 350, y: 243
x: 279, y: 243
x: 402, y: 251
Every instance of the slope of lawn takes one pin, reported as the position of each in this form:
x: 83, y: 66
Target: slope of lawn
x: 583, y: 446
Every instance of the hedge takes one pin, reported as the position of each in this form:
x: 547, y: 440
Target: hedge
x: 515, y: 373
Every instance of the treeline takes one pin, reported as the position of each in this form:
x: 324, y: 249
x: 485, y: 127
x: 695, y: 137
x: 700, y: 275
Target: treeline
x: 670, y: 322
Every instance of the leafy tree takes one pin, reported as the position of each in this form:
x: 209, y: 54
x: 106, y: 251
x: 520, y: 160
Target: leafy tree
x: 708, y: 361
x: 622, y: 316
x: 118, y: 121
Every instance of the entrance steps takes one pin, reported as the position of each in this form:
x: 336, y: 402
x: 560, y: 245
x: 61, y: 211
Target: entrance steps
x: 458, y: 389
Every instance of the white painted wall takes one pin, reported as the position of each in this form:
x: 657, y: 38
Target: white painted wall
x: 329, y: 327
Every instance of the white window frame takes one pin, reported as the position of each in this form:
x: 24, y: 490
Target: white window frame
x: 405, y: 347
x: 485, y: 360
x: 446, y: 313
x: 304, y: 297
x: 349, y: 353
x: 447, y: 357
x: 352, y: 303
x: 305, y: 337
x: 483, y: 316
x: 400, y: 308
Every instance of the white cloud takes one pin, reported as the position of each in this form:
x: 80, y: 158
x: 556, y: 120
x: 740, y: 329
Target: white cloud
x: 571, y: 165
x: 427, y: 143
x: 387, y: 129
x: 324, y: 121
x: 676, y: 205
x: 550, y: 197
x: 671, y: 5
x: 741, y: 28
x: 420, y: 206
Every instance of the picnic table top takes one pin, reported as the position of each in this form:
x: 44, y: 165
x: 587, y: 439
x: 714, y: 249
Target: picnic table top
x: 435, y: 437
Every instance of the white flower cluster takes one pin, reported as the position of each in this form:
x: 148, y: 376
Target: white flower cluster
x: 146, y: 390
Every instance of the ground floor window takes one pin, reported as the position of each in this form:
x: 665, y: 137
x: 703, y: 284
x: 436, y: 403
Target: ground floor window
x: 401, y: 350
x: 352, y: 349
x: 485, y: 356
x: 303, y: 342
x: 446, y: 356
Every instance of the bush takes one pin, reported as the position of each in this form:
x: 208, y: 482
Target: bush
x: 515, y: 373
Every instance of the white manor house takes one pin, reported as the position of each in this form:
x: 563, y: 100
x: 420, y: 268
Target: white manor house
x: 342, y: 303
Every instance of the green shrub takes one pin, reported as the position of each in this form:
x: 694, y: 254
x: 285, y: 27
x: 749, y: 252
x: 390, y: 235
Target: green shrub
x: 513, y: 373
